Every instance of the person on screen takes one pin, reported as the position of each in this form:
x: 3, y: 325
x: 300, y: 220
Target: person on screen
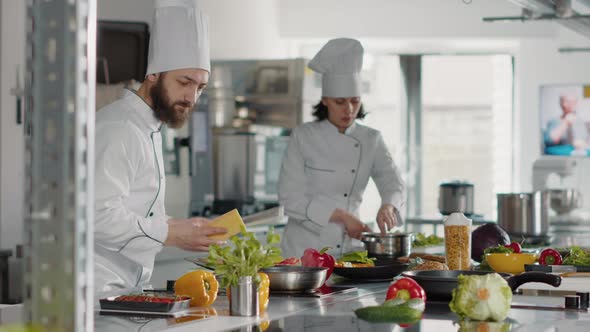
x: 569, y: 129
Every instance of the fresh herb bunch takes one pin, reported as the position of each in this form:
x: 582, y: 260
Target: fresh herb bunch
x: 422, y: 240
x: 500, y: 249
x: 246, y: 257
x: 577, y: 256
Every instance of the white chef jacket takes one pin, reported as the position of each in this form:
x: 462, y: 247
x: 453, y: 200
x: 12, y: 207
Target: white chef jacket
x: 323, y: 170
x: 130, y: 218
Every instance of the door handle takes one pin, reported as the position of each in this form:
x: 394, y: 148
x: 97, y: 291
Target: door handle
x: 18, y: 92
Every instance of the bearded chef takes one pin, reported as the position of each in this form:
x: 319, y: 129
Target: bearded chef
x: 131, y: 224
x: 328, y: 162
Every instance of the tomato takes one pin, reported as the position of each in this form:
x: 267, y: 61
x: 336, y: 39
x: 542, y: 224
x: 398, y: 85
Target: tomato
x: 515, y: 246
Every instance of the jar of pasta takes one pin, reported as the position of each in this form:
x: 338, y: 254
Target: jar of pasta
x: 458, y: 241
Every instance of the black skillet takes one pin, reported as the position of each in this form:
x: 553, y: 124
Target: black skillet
x: 382, y: 271
x: 439, y: 285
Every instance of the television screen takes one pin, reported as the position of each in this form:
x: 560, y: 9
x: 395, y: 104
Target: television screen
x: 565, y: 119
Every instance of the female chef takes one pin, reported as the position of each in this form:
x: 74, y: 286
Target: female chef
x: 328, y: 162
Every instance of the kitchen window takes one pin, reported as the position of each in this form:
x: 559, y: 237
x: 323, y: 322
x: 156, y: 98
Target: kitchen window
x: 443, y: 117
x: 466, y: 129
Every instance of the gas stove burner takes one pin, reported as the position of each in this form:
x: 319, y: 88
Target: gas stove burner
x: 291, y: 292
x: 318, y: 293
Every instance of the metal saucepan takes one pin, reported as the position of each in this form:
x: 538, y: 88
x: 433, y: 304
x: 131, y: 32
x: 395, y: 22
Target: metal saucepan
x: 439, y: 285
x: 390, y: 244
x: 287, y: 278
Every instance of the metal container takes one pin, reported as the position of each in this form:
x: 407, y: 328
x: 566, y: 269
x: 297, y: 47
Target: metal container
x: 243, y: 298
x: 392, y: 245
x: 4, y: 255
x: 220, y: 96
x: 295, y: 278
x: 455, y: 196
x: 563, y: 201
x: 524, y: 214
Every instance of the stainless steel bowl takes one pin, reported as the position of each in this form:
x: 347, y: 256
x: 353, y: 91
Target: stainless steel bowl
x: 390, y: 244
x: 295, y: 278
x: 563, y: 201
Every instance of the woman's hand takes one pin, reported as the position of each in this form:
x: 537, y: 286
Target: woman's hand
x: 353, y: 226
x: 386, y: 218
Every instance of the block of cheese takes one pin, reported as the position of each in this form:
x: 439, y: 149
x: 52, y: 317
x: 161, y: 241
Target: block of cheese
x: 231, y: 220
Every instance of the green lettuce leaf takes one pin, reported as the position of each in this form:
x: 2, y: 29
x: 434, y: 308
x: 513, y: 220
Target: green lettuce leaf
x: 357, y: 257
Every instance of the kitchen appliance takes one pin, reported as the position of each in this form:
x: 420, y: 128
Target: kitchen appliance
x: 247, y: 166
x: 321, y: 292
x: 389, y: 244
x: 439, y: 284
x: 563, y: 201
x: 524, y: 214
x: 545, y: 166
x: 455, y: 196
x: 240, y: 129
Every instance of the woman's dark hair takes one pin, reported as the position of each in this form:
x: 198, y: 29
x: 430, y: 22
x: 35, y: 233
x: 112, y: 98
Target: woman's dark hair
x: 320, y: 111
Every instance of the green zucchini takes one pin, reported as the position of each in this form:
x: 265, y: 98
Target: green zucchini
x: 401, y: 314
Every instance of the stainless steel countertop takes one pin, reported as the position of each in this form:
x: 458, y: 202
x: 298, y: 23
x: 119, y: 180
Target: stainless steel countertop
x: 335, y: 313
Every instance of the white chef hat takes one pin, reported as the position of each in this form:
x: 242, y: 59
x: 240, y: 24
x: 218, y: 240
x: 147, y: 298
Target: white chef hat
x: 340, y: 61
x: 179, y: 37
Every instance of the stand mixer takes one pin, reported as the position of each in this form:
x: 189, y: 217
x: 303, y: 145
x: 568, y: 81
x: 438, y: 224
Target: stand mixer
x: 564, y: 229
x: 562, y: 200
x: 547, y: 165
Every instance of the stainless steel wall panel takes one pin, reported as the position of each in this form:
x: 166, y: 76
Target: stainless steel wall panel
x: 59, y: 161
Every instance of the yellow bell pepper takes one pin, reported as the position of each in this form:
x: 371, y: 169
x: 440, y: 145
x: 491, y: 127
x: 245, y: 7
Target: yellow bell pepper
x: 264, y: 322
x: 263, y: 292
x: 200, y: 286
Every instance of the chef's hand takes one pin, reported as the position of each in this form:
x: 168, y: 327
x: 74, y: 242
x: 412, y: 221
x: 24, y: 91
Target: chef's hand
x: 353, y: 226
x: 386, y: 218
x: 191, y: 234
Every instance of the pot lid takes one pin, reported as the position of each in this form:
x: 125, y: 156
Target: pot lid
x: 456, y: 184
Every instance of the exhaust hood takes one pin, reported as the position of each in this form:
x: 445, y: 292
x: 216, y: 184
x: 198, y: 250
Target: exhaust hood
x: 572, y: 14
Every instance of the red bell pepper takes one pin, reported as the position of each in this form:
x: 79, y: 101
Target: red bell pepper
x: 290, y: 261
x: 405, y: 289
x: 550, y: 257
x: 312, y: 257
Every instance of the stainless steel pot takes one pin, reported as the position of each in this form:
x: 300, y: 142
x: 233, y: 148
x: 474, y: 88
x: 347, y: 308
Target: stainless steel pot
x: 392, y: 245
x: 525, y: 214
x: 455, y: 196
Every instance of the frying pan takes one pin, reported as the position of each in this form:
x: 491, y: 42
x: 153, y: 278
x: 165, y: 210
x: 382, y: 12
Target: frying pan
x: 439, y: 285
x: 382, y: 271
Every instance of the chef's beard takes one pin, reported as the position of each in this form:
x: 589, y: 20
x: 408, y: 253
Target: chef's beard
x: 164, y: 109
